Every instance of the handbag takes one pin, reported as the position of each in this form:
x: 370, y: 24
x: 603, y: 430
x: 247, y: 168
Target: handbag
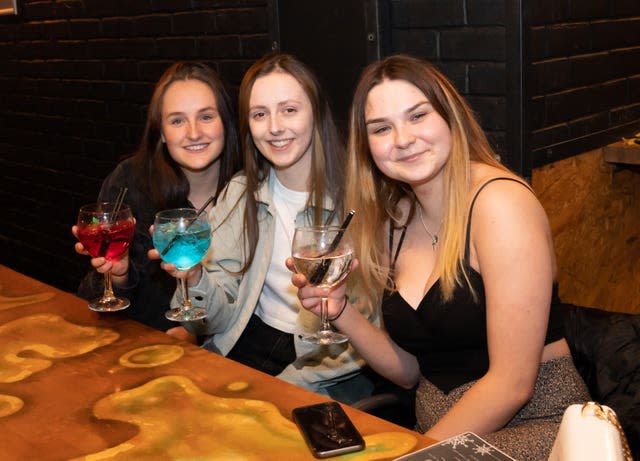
x: 590, y: 432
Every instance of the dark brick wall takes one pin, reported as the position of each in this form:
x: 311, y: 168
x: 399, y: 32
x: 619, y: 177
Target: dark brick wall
x: 584, y: 75
x: 75, y: 78
x: 466, y: 39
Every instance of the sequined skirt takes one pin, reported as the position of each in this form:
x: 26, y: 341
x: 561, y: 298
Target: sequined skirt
x: 529, y: 436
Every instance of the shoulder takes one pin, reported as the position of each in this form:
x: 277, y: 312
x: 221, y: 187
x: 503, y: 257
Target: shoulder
x: 231, y: 197
x: 121, y: 176
x: 125, y: 167
x: 506, y: 216
x: 495, y: 189
x: 507, y: 204
x: 235, y: 188
x: 240, y: 178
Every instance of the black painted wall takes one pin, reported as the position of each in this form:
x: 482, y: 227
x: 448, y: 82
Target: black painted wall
x: 75, y: 77
x: 583, y: 75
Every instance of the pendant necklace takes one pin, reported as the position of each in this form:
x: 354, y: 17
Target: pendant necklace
x: 434, y: 237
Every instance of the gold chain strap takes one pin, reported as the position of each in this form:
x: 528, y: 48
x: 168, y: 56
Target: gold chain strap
x: 608, y: 415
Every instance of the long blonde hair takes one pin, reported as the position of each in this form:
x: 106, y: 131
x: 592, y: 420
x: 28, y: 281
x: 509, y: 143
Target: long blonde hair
x: 376, y: 197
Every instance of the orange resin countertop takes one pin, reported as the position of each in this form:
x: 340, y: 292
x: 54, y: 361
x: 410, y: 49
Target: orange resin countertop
x: 78, y: 385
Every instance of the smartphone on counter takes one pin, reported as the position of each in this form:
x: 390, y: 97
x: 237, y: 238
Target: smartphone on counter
x: 327, y: 429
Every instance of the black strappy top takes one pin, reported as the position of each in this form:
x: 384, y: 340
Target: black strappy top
x: 449, y: 339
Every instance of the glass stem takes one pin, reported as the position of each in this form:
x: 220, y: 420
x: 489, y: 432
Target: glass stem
x: 108, y: 288
x: 324, y: 314
x: 186, y: 301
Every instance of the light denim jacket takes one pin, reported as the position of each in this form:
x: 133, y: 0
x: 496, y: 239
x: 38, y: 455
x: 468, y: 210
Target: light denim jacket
x: 231, y: 299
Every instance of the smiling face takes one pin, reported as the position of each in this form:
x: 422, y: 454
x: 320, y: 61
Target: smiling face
x: 281, y: 123
x: 191, y: 125
x: 409, y: 141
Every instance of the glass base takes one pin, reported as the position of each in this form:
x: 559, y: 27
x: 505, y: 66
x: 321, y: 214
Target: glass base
x: 109, y: 304
x: 180, y: 314
x: 325, y: 337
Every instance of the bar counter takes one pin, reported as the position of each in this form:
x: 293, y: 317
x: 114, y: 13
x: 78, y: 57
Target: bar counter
x: 79, y: 385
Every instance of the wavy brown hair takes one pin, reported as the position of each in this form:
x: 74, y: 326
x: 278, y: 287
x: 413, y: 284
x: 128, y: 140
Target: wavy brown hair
x: 155, y: 170
x: 376, y: 196
x: 327, y: 153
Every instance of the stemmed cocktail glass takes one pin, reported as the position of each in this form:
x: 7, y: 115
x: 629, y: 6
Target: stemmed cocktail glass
x: 323, y: 255
x: 105, y: 229
x: 182, y: 236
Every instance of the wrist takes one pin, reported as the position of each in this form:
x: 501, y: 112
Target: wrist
x: 124, y: 274
x: 344, y: 306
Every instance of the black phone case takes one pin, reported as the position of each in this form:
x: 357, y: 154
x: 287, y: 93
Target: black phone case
x: 327, y: 429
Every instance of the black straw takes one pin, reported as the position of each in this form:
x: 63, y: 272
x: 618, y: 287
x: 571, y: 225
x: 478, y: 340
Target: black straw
x: 322, y: 269
x: 198, y: 213
x: 119, y: 200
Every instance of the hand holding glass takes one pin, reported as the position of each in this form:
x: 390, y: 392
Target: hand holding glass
x: 323, y: 255
x: 182, y: 237
x: 106, y: 230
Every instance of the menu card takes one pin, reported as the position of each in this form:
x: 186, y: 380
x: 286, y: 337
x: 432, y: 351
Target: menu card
x: 463, y: 447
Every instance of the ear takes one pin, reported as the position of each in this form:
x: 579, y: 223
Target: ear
x: 164, y: 141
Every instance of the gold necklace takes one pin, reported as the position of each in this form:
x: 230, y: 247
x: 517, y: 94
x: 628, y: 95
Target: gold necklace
x: 434, y: 237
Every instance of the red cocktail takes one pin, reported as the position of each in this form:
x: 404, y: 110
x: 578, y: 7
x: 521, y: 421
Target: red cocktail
x: 108, y: 241
x: 106, y: 229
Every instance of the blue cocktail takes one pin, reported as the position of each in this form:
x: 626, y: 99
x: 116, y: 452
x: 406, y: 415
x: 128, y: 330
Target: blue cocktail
x: 182, y: 238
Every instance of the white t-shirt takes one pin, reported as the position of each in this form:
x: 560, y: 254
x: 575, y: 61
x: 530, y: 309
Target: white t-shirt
x: 278, y: 305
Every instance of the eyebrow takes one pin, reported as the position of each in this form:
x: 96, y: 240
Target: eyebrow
x: 410, y: 109
x: 204, y: 109
x: 280, y: 104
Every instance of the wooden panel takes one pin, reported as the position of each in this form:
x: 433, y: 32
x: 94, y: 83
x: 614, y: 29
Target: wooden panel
x: 595, y: 221
x: 594, y: 212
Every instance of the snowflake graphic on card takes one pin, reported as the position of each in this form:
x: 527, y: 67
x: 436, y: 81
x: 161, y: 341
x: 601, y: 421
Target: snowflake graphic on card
x: 463, y: 447
x: 483, y: 449
x: 462, y: 440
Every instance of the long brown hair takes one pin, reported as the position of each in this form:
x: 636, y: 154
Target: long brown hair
x: 376, y: 196
x: 327, y: 153
x: 156, y: 171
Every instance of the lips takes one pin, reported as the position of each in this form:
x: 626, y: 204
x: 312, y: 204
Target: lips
x: 410, y: 157
x: 280, y: 143
x: 196, y: 147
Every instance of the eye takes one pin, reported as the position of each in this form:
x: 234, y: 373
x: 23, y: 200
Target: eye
x: 208, y: 117
x: 176, y: 121
x: 379, y: 129
x: 417, y: 116
x: 257, y: 115
x: 290, y: 110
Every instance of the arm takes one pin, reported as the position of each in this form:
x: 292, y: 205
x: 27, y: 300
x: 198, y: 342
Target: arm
x: 215, y: 285
x: 316, y: 366
x: 216, y: 290
x: 372, y: 343
x: 210, y: 287
x: 512, y: 248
